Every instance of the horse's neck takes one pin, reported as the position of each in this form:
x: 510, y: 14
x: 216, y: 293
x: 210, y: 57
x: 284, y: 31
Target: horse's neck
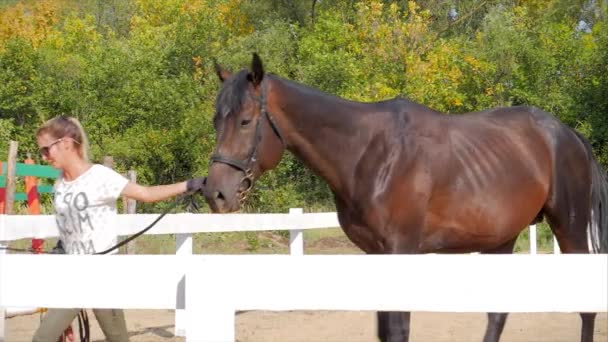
x: 322, y: 132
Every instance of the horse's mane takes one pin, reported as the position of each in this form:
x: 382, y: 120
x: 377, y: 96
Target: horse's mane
x: 234, y: 92
x: 230, y: 98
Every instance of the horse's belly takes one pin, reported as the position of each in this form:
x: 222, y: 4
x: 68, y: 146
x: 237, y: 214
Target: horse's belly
x: 482, y: 221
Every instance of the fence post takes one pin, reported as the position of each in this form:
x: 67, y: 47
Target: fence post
x: 556, y: 249
x: 10, y: 177
x: 108, y: 161
x: 131, y: 203
x: 8, y: 209
x: 2, y: 191
x: 33, y: 202
x: 183, y: 247
x: 129, y: 207
x: 2, y: 253
x: 532, y: 236
x: 210, y: 311
x: 296, y: 241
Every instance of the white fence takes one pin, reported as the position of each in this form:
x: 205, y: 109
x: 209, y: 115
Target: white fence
x: 16, y: 227
x: 183, y: 225
x: 216, y: 286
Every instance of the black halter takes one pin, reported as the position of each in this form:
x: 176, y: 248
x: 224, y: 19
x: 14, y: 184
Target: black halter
x: 246, y: 166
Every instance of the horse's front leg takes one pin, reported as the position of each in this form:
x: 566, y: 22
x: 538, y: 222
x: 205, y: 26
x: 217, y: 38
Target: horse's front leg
x: 588, y: 320
x: 496, y: 323
x: 393, y: 326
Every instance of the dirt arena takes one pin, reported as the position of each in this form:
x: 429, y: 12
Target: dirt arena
x: 341, y: 326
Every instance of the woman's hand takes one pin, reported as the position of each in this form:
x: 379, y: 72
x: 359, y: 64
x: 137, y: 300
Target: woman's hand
x: 156, y: 193
x: 196, y: 184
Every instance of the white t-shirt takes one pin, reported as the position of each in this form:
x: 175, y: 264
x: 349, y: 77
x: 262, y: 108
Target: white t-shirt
x: 85, y: 210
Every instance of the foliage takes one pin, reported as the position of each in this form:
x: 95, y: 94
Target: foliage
x: 32, y: 21
x: 139, y: 74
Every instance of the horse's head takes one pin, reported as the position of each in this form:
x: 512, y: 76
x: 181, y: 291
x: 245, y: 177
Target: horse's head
x: 248, y: 140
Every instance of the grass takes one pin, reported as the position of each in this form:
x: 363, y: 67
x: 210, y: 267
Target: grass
x: 316, y: 241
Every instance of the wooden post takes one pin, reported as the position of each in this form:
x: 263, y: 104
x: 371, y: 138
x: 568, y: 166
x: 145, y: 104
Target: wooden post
x: 129, y: 207
x: 33, y: 202
x: 2, y: 193
x: 31, y: 191
x: 108, y: 161
x: 131, y: 203
x: 10, y: 177
x: 8, y: 209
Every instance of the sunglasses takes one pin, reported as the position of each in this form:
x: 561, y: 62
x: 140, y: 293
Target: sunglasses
x: 46, y: 150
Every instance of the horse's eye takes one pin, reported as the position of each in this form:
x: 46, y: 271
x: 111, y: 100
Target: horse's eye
x: 245, y: 122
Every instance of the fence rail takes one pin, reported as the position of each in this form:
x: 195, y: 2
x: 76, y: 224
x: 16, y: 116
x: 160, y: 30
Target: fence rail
x: 44, y: 226
x: 217, y: 286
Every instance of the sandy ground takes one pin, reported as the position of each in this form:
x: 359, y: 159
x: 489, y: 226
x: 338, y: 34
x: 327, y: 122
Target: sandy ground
x: 340, y: 326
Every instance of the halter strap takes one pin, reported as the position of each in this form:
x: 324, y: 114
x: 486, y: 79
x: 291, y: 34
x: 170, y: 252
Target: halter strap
x: 217, y: 158
x: 264, y: 111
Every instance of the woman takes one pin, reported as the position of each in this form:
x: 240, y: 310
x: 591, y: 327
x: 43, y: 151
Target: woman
x: 85, y: 197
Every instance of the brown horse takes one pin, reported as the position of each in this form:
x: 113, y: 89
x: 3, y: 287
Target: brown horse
x: 407, y: 179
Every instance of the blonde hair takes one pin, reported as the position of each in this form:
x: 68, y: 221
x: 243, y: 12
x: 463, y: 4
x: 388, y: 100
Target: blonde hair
x: 65, y: 126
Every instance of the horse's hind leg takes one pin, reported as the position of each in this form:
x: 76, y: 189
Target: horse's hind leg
x: 574, y: 240
x: 496, y: 320
x: 568, y: 212
x: 588, y: 320
x: 393, y: 326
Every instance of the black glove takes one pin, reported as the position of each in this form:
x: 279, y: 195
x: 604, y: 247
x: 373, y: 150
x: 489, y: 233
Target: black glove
x: 196, y: 184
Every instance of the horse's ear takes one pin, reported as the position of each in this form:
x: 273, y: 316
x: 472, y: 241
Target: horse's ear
x: 257, y: 70
x: 222, y: 73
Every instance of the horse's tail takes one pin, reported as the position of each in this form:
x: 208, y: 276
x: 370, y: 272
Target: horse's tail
x: 597, y: 229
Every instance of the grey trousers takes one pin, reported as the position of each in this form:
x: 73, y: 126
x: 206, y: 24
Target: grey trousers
x: 55, y: 321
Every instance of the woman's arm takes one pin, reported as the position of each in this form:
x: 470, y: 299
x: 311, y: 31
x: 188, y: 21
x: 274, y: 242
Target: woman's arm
x: 160, y: 192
